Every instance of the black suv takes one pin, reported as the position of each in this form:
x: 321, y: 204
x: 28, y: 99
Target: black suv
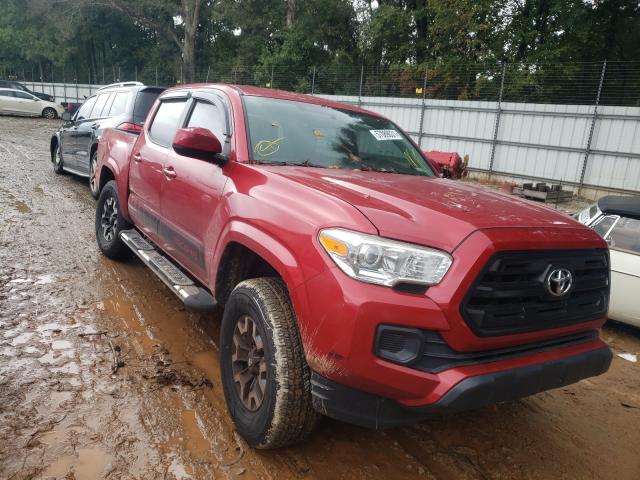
x: 18, y: 86
x: 121, y: 105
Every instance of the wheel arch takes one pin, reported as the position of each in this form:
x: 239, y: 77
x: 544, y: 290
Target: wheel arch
x: 248, y: 252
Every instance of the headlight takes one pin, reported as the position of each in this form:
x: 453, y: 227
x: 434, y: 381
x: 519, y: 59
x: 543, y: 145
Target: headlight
x: 373, y: 259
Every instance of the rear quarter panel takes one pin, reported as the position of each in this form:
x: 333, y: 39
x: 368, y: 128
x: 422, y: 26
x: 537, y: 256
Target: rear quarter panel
x: 114, y: 152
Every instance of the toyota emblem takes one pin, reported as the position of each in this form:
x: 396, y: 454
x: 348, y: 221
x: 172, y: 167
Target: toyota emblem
x: 559, y: 282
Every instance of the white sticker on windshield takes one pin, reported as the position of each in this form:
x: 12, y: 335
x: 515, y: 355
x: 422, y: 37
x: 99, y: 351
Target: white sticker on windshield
x: 386, y: 135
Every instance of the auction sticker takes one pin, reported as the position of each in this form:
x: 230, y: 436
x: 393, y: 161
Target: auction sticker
x: 386, y: 135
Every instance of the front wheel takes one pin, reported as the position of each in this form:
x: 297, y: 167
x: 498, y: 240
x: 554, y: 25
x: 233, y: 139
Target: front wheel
x: 49, y: 113
x: 110, y: 222
x: 93, y: 182
x: 265, y: 377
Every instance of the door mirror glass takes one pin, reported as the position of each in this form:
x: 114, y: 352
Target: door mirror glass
x: 66, y: 116
x: 197, y: 143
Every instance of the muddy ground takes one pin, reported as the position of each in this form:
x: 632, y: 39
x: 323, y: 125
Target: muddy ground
x: 65, y: 414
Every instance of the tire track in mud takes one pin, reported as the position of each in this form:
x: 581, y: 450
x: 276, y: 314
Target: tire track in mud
x: 62, y: 410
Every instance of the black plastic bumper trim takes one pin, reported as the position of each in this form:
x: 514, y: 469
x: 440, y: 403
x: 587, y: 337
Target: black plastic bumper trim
x: 371, y: 411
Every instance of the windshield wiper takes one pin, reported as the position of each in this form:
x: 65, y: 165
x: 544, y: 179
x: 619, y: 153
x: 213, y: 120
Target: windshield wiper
x: 280, y: 163
x: 368, y: 168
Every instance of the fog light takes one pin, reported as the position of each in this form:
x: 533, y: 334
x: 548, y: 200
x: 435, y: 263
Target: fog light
x: 398, y: 344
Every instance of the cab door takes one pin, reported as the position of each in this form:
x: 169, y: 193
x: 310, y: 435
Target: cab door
x: 24, y: 103
x: 146, y: 168
x: 69, y: 134
x: 6, y: 102
x: 84, y: 133
x: 192, y: 188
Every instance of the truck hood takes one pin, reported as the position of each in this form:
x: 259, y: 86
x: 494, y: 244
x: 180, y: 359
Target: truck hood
x: 424, y: 210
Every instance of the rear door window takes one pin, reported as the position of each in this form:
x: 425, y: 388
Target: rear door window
x: 85, y: 109
x: 96, y: 112
x: 166, y: 121
x: 144, y: 102
x: 119, y: 105
x: 22, y: 95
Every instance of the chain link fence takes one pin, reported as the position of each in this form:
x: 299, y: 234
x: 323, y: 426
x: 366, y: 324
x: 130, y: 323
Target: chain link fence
x: 576, y: 123
x: 613, y: 83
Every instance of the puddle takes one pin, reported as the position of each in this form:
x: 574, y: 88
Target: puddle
x: 88, y: 464
x: 195, y: 439
x: 21, y: 206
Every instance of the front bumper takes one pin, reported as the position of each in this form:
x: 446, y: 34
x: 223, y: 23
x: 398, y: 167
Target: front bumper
x: 372, y: 411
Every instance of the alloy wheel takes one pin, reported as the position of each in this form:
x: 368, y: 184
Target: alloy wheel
x: 109, y: 218
x: 248, y: 363
x: 58, y: 157
x: 92, y: 174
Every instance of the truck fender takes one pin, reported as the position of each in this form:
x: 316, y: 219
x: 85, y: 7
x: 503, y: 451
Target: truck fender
x: 263, y: 244
x: 121, y: 176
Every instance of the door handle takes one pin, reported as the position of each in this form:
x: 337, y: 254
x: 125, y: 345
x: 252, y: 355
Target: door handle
x: 137, y: 157
x: 169, y: 172
x: 94, y: 126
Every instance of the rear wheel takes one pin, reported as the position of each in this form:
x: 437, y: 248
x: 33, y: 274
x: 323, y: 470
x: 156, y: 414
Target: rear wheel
x: 110, y: 222
x: 49, y: 113
x: 57, y: 160
x: 265, y: 377
x: 93, y: 182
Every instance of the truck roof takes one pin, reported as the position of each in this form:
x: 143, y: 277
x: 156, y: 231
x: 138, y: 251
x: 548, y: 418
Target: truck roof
x: 277, y: 94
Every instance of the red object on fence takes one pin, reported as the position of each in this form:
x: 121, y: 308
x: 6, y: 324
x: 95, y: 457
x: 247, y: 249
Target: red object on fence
x: 450, y: 164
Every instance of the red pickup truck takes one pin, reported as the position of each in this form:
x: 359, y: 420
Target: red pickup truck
x: 355, y: 283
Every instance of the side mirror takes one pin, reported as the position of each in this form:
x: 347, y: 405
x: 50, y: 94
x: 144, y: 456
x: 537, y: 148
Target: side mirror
x: 66, y: 116
x: 198, y: 143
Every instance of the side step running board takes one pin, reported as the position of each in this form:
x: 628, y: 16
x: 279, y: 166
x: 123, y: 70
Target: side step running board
x: 193, y: 296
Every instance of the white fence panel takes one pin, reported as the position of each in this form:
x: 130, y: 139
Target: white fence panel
x: 535, y: 141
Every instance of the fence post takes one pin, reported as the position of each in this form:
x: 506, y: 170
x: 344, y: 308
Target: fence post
x: 422, y: 111
x: 360, y: 89
x: 496, y: 125
x: 136, y: 74
x: 64, y: 85
x: 313, y: 81
x: 208, y: 71
x: 271, y: 81
x: 103, y: 72
x: 156, y: 75
x: 594, y: 119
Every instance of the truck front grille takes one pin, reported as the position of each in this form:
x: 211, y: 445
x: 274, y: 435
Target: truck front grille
x: 509, y: 296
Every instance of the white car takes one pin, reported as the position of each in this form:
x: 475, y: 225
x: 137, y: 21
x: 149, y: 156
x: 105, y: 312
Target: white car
x: 17, y: 102
x: 617, y: 220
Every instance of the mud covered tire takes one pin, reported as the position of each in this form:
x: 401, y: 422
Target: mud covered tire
x: 108, y: 210
x: 285, y: 415
x: 57, y: 160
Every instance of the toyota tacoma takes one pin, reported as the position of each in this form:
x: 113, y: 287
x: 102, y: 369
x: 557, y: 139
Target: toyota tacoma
x: 355, y: 282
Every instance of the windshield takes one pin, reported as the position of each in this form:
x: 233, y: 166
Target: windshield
x: 283, y: 132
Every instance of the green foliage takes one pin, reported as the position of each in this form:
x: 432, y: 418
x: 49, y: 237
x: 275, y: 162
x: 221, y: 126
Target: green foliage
x: 325, y: 43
